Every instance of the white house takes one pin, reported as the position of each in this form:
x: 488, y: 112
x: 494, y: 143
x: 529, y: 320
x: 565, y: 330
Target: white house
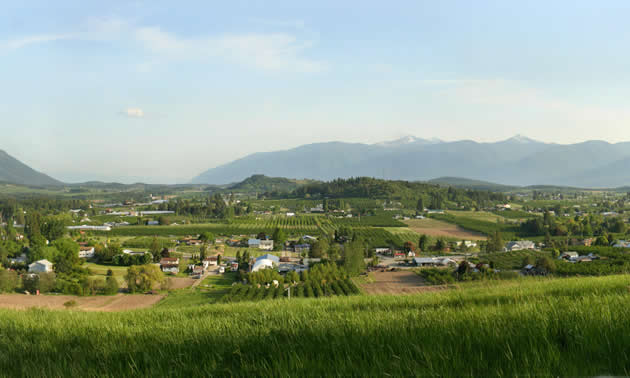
x: 519, y: 245
x: 86, y: 252
x: 85, y: 227
x: 41, y: 266
x: 210, y: 261
x: 169, y: 265
x: 266, y: 245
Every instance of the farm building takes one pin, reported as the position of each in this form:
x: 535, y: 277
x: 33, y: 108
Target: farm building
x: 41, y: 266
x: 266, y: 245
x: 21, y: 259
x: 210, y: 261
x: 169, y: 265
x: 299, y: 248
x: 433, y: 261
x: 86, y: 252
x: 519, y: 245
x: 262, y: 264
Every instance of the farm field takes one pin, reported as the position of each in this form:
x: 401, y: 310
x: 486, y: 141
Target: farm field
x: 510, y: 260
x: 402, y: 282
x: 546, y: 326
x: 478, y: 215
x: 434, y: 227
x: 119, y: 302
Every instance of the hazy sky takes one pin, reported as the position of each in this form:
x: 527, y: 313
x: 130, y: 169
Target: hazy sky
x: 160, y: 91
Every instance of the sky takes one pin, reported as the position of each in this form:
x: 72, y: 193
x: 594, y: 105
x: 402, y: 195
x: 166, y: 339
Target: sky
x: 160, y: 91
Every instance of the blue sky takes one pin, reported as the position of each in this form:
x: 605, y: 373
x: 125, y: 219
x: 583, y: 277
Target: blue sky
x: 159, y: 91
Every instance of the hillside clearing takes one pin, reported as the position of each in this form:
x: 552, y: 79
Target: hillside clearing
x: 402, y: 282
x: 433, y: 227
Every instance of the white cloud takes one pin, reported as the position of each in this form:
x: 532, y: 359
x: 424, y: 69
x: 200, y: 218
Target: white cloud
x: 274, y: 51
x: 266, y: 51
x: 133, y: 112
x: 35, y: 39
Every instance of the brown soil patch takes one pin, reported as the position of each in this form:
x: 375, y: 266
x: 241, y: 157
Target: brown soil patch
x: 433, y: 227
x: 181, y: 282
x: 402, y: 282
x: 117, y: 302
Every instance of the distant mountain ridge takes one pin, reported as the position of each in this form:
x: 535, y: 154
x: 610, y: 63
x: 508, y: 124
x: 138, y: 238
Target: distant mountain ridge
x: 518, y: 161
x: 13, y: 171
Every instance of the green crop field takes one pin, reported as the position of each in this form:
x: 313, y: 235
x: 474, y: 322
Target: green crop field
x: 511, y: 260
x: 546, y: 327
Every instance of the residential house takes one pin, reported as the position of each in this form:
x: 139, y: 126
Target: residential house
x: 234, y: 267
x: 571, y: 256
x: 622, y: 244
x: 197, y: 271
x: 433, y: 261
x: 266, y: 245
x: 519, y: 245
x: 210, y: 261
x: 383, y: 251
x: 300, y: 248
x: 169, y: 265
x: 134, y: 253
x: 21, y: 259
x: 41, y: 266
x: 86, y: 252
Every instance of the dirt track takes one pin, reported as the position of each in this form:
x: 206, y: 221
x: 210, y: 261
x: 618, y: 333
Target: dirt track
x: 402, y: 282
x: 119, y: 302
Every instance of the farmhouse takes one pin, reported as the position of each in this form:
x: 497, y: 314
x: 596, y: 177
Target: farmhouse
x: 570, y: 256
x: 383, y: 251
x: 169, y: 265
x: 433, y: 261
x: 86, y: 252
x: 622, y: 244
x: 41, y: 266
x: 210, y: 261
x: 266, y: 245
x: 299, y: 248
x: 134, y: 253
x: 519, y: 245
x: 89, y: 228
x: 21, y: 259
x: 197, y: 271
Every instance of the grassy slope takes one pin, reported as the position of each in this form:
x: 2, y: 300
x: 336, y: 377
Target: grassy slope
x: 534, y: 327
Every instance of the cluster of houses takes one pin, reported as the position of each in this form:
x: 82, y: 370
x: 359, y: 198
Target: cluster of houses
x: 575, y: 257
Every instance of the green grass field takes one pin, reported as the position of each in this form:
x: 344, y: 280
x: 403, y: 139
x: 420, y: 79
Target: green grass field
x: 548, y: 327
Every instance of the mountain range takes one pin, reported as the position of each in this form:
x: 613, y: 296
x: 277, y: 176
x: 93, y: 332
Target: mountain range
x: 516, y: 161
x: 14, y: 171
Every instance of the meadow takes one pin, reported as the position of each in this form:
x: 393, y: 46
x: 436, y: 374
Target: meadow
x: 547, y: 327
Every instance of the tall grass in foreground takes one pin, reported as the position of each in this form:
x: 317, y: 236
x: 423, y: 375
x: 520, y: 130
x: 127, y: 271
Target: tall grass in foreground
x: 530, y: 327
